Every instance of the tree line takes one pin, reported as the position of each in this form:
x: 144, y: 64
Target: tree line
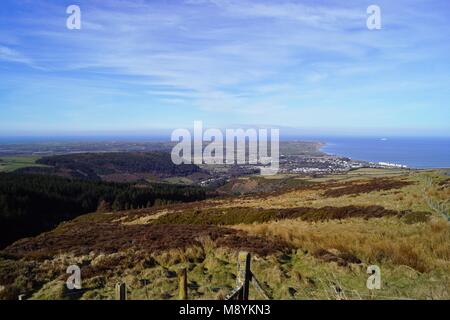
x: 31, y: 204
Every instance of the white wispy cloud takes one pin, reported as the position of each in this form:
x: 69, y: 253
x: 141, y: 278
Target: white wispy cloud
x: 8, y: 54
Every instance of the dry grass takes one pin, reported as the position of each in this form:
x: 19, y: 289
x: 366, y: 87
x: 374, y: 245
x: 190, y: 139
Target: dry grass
x: 145, y: 219
x: 366, y: 186
x: 422, y: 246
x: 408, y: 197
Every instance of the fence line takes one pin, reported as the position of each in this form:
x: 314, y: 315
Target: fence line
x: 244, y: 278
x: 240, y: 292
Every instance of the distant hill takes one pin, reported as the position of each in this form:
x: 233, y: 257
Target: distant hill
x: 113, y: 166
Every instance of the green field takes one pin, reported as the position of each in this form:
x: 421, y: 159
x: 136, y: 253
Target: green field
x: 9, y: 164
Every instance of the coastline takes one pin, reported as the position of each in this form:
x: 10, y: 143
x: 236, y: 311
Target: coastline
x: 414, y: 153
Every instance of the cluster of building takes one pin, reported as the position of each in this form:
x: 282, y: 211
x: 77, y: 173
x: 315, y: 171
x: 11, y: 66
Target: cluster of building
x: 391, y: 165
x: 300, y: 164
x: 327, y: 164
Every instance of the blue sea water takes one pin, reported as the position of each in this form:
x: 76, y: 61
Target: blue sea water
x: 417, y: 153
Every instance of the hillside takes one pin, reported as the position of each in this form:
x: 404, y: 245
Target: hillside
x: 116, y: 165
x: 311, y: 240
x: 31, y: 204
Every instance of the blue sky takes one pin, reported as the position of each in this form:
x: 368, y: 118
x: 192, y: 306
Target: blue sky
x: 137, y: 66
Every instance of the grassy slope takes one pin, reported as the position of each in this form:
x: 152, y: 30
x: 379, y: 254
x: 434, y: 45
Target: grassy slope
x: 413, y: 253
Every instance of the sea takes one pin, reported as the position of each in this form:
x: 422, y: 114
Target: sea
x: 418, y: 153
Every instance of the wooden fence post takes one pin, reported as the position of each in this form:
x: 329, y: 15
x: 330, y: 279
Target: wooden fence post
x: 121, y: 291
x: 182, y: 284
x: 244, y: 274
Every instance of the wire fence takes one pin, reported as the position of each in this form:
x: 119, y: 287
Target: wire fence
x: 329, y: 288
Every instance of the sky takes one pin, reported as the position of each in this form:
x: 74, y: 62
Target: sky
x: 143, y: 66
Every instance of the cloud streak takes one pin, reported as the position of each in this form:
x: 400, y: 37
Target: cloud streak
x: 11, y: 55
